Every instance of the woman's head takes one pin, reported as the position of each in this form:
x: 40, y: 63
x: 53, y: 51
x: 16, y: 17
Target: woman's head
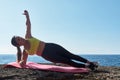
x: 17, y: 41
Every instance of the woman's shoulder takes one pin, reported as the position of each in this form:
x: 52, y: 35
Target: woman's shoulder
x: 27, y: 38
x: 33, y: 39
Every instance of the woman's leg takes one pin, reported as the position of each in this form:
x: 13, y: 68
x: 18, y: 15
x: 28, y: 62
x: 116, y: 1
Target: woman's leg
x: 76, y: 57
x: 55, y: 53
x: 70, y: 56
x: 63, y: 52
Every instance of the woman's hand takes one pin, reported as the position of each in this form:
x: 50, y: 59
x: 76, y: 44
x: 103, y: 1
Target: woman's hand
x: 22, y: 64
x: 26, y: 13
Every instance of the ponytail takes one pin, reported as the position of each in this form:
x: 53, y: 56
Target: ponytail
x: 19, y: 54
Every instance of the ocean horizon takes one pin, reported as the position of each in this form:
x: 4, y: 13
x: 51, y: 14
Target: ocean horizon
x: 103, y: 60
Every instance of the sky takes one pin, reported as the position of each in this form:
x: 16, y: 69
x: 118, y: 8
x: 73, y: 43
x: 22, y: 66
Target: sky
x: 80, y: 26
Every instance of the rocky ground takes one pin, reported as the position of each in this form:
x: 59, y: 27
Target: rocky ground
x: 102, y: 73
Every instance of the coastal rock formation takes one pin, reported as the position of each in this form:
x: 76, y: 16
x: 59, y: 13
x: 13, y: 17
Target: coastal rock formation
x: 102, y: 73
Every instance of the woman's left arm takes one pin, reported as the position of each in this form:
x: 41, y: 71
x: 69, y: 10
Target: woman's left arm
x: 28, y: 25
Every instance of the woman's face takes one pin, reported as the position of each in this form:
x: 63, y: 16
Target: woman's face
x: 19, y: 40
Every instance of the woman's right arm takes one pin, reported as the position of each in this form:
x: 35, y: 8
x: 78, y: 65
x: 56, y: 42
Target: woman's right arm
x: 23, y: 59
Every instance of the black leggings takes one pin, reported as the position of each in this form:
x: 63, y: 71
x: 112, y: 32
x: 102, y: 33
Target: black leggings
x: 57, y: 54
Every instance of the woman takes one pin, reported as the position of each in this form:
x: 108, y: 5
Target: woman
x: 50, y: 51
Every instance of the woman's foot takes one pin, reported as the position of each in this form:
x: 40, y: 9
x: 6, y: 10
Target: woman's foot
x: 93, y: 65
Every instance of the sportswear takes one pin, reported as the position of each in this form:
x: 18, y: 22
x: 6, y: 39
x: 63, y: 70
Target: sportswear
x: 34, y: 44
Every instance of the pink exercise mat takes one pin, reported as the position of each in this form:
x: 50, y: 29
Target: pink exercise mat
x: 33, y: 65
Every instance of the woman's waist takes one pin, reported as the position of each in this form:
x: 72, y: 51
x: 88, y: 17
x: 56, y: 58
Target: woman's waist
x: 40, y: 48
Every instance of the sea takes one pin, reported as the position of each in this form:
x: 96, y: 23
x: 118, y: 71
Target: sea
x: 103, y: 60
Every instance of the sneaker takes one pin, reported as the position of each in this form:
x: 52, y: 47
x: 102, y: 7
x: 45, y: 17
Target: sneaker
x: 93, y: 65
